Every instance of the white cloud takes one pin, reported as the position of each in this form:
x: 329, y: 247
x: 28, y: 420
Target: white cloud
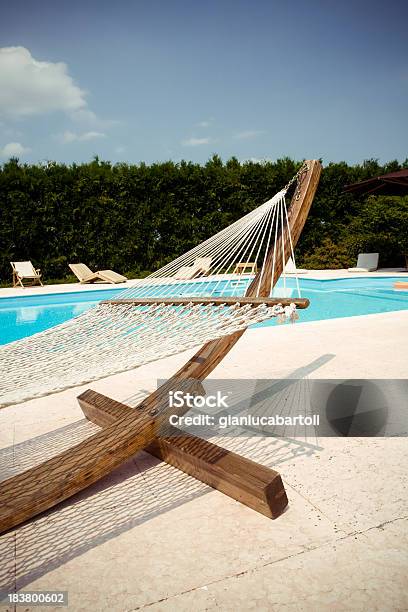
x: 249, y: 134
x: 87, y: 117
x: 68, y: 137
x: 13, y: 149
x: 120, y: 149
x: 91, y: 136
x: 84, y: 115
x: 29, y: 86
x: 196, y: 142
x: 206, y: 123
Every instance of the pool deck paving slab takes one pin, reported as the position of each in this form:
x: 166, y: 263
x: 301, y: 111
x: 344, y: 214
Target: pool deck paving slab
x: 148, y: 536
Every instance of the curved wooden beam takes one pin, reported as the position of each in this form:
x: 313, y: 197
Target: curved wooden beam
x: 53, y: 481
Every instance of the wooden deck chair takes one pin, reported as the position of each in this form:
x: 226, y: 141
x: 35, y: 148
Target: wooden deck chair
x: 103, y: 337
x: 245, y: 268
x: 25, y: 271
x: 200, y: 267
x: 85, y: 275
x: 366, y: 262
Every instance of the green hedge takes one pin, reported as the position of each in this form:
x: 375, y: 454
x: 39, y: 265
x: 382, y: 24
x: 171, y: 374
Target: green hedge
x: 135, y: 218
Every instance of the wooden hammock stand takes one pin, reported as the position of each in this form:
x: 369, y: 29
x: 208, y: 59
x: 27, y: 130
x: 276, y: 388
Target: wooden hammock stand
x: 125, y: 430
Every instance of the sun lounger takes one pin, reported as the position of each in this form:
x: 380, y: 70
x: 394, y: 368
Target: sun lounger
x: 245, y: 268
x: 24, y: 270
x: 85, y: 275
x: 366, y: 262
x: 201, y: 267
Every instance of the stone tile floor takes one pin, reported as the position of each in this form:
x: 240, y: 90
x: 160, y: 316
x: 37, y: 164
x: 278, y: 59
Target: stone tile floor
x: 150, y: 537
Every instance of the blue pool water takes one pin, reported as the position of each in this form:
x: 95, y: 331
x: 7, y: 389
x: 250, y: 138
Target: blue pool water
x: 329, y: 299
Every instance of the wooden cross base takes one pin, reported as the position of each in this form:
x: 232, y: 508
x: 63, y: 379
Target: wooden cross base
x: 250, y: 483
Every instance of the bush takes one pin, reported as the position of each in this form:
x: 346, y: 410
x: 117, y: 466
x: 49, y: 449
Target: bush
x: 56, y: 267
x: 329, y: 256
x: 138, y: 217
x: 381, y: 227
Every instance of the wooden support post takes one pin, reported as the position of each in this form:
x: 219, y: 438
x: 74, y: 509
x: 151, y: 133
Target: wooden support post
x: 254, y: 485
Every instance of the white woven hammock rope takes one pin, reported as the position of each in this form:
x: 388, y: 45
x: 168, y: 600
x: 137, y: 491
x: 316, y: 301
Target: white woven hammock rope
x: 113, y: 338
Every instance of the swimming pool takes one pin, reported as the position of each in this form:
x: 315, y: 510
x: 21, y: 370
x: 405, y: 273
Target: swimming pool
x: 24, y: 316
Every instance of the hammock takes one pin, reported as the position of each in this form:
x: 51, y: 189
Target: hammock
x: 160, y: 315
x: 139, y: 326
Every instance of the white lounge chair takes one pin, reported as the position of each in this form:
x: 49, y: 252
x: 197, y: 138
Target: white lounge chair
x: 366, y: 262
x: 201, y: 267
x: 24, y: 270
x: 290, y: 268
x: 85, y: 275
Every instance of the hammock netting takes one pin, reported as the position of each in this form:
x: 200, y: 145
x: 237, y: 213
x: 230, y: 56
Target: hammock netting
x: 114, y: 337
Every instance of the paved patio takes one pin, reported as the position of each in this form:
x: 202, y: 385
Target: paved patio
x: 150, y: 537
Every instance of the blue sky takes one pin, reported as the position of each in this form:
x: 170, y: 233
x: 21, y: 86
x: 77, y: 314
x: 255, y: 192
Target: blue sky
x: 150, y: 81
